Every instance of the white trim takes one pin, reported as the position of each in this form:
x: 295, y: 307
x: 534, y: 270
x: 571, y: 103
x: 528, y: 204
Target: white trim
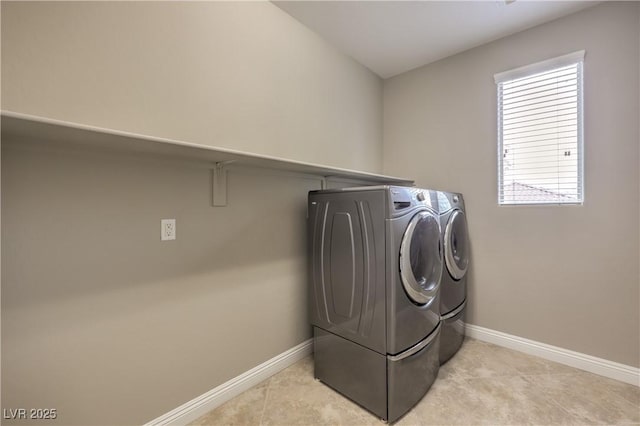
x: 217, y: 396
x: 558, y: 62
x: 592, y: 364
x: 581, y: 132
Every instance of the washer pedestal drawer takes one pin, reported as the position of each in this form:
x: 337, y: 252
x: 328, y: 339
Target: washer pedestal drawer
x: 356, y: 372
x: 388, y: 386
x: 410, y: 377
x: 452, y: 336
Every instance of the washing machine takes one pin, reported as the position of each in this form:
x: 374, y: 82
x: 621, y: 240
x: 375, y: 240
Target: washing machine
x: 453, y: 285
x: 375, y: 266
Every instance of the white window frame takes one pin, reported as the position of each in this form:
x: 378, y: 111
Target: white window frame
x: 536, y: 68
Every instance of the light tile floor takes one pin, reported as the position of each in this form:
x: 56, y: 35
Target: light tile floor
x: 482, y: 384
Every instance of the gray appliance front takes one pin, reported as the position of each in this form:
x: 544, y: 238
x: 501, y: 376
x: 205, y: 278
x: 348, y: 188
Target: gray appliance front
x: 375, y: 267
x: 413, y: 276
x: 347, y: 255
x: 456, y: 252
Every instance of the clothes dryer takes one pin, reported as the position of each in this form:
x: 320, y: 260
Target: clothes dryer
x: 453, y: 285
x: 375, y: 267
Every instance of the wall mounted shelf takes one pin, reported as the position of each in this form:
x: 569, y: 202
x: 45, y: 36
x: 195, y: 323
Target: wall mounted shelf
x: 22, y: 126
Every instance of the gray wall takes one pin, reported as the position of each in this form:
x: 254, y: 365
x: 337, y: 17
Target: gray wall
x: 242, y: 75
x: 100, y: 319
x: 563, y: 275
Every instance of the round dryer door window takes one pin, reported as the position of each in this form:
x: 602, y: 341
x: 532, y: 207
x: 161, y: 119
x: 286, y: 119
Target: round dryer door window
x: 456, y: 245
x: 420, y: 258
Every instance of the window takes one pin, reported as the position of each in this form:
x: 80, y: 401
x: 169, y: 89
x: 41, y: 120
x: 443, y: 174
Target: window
x: 540, y: 155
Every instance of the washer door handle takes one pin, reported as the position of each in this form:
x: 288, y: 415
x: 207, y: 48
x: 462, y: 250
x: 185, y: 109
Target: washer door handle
x: 422, y: 285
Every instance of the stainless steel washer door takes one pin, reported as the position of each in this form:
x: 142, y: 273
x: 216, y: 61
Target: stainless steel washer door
x: 456, y: 245
x: 421, y: 258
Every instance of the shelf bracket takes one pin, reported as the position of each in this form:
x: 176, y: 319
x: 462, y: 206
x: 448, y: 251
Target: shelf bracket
x: 323, y: 182
x: 219, y: 184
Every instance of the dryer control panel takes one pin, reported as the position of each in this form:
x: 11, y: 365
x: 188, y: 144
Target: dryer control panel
x: 449, y: 200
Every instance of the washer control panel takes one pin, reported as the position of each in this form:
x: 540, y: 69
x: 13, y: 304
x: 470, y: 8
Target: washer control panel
x: 405, y: 197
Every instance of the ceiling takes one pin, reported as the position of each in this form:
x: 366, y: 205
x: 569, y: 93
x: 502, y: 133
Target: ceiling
x: 391, y: 37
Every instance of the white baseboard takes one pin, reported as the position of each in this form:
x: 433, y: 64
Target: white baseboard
x: 199, y: 406
x: 592, y: 364
x: 202, y: 404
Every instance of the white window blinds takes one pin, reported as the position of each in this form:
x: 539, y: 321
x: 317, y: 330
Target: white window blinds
x: 540, y: 132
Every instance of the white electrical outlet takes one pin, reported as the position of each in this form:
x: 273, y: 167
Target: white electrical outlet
x: 167, y: 229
